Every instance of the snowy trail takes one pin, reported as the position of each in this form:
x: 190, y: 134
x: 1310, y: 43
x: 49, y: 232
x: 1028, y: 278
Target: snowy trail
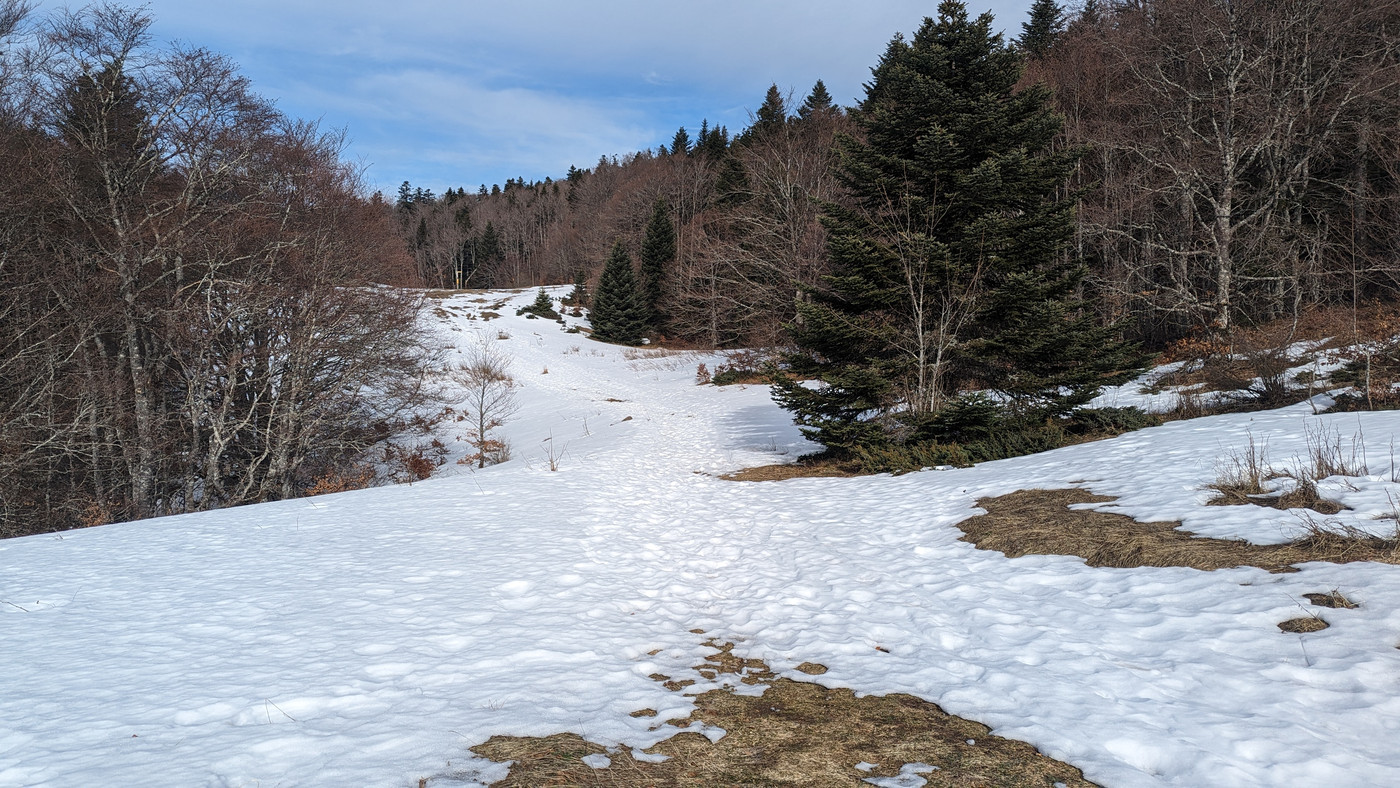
x: 369, y: 638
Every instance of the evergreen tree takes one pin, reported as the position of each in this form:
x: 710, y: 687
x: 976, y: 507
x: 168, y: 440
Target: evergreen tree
x: 712, y: 143
x: 542, y: 306
x: 579, y: 296
x: 658, y: 251
x: 772, y: 114
x: 952, y: 270
x: 1038, y: 33
x: 680, y: 144
x: 1090, y: 14
x: 420, y: 235
x: 108, y: 134
x: 618, y: 315
x: 478, y: 257
x: 818, y: 102
x: 405, y: 200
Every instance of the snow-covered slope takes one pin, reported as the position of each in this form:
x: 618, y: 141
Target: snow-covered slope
x: 371, y: 637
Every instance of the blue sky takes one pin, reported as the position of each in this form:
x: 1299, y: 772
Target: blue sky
x: 463, y: 93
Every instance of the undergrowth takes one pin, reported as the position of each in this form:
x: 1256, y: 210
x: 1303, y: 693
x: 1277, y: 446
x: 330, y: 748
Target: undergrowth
x: 997, y: 438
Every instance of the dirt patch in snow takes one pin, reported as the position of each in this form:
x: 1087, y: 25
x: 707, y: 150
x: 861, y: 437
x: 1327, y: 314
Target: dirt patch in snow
x: 796, y: 734
x: 1040, y: 522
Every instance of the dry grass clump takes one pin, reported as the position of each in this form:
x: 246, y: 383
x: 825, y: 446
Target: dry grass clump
x: 1039, y: 522
x: 796, y: 734
x: 1303, y: 624
x: 1241, y: 475
x: 1332, y: 599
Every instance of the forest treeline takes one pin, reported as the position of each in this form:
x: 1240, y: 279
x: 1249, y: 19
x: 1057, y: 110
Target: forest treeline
x: 197, y: 305
x: 744, y: 208
x: 1240, y: 163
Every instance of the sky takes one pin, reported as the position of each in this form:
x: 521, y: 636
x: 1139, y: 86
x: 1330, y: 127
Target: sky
x: 447, y: 94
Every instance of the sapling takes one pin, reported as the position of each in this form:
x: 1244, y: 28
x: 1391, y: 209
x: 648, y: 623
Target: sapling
x: 489, y: 400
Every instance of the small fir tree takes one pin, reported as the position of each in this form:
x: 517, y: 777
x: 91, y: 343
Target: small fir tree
x: 542, y: 306
x: 618, y: 315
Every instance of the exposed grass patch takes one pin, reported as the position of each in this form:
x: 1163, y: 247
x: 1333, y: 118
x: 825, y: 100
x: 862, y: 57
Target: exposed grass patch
x: 1039, y: 522
x: 1332, y: 599
x: 796, y: 734
x: 799, y: 470
x: 1303, y: 624
x: 1303, y: 496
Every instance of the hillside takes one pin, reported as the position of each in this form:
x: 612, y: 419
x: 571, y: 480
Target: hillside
x: 372, y: 637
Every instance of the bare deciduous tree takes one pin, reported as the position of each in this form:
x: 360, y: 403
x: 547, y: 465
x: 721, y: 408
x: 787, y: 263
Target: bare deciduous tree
x: 489, y: 401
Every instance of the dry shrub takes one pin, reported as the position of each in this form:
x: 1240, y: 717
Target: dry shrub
x: 1241, y: 476
x: 796, y: 734
x: 488, y: 452
x: 413, y: 463
x: 1194, y: 350
x: 355, y: 478
x: 1040, y: 522
x: 1253, y: 361
x: 1190, y: 405
x: 1326, y: 457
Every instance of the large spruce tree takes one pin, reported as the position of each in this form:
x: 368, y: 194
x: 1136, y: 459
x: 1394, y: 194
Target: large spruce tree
x: 618, y: 314
x: 658, y: 252
x: 952, y: 269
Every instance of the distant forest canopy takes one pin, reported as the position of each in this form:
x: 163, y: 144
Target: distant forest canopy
x: 1240, y: 163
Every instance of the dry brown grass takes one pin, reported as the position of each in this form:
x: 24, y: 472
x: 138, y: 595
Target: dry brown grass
x: 1332, y: 599
x: 1303, y: 496
x: 1241, y: 475
x: 1039, y: 522
x: 775, y: 473
x: 1303, y: 624
x: 796, y: 734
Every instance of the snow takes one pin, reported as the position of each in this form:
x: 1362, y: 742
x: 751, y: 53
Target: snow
x: 908, y: 777
x: 372, y: 637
